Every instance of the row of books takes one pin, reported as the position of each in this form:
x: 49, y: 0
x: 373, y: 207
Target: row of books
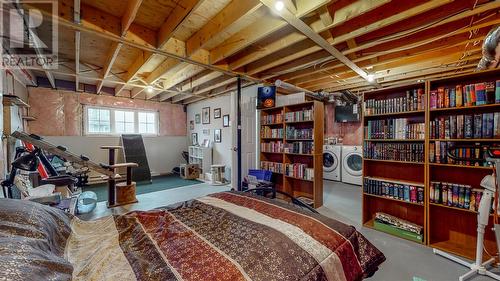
x: 273, y: 146
x: 408, y: 152
x: 467, y: 95
x: 394, y: 129
x: 293, y: 133
x: 469, y: 126
x: 455, y: 195
x: 299, y: 147
x: 297, y: 116
x: 438, y: 153
x: 268, y: 132
x: 403, y: 192
x: 272, y: 119
x: 300, y: 171
x: 274, y: 167
x: 413, y: 100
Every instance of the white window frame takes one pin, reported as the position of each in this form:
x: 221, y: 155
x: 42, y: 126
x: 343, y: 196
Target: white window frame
x: 113, y: 124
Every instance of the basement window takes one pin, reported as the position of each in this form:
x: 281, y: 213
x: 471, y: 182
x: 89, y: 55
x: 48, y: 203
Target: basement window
x: 116, y: 121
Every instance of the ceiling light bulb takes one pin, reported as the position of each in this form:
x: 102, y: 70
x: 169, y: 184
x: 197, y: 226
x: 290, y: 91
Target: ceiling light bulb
x: 370, y: 78
x: 279, y: 5
x: 149, y: 89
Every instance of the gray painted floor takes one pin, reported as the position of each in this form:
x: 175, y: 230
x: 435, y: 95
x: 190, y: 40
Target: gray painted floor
x: 405, y: 260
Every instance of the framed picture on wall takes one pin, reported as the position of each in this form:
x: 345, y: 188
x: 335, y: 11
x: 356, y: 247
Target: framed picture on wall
x: 205, y: 115
x: 217, y: 135
x: 191, y: 125
x: 217, y: 113
x: 194, y: 139
x: 225, y: 120
x: 197, y: 118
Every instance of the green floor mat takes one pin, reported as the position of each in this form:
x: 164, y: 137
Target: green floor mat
x: 159, y: 183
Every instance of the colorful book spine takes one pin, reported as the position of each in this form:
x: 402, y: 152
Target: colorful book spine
x: 433, y: 99
x: 459, y: 97
x: 497, y: 91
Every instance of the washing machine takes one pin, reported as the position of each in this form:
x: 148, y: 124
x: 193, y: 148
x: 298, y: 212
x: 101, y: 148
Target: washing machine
x: 331, y: 162
x: 352, y: 163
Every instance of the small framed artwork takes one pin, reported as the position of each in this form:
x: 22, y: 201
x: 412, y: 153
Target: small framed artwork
x: 217, y: 113
x: 225, y: 120
x: 194, y: 139
x: 197, y: 118
x: 217, y: 135
x: 191, y: 125
x: 205, y: 115
x: 206, y: 132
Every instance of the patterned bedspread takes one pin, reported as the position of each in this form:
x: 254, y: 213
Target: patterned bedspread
x: 223, y: 236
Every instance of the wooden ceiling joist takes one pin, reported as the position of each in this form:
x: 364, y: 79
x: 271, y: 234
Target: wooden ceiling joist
x: 195, y: 49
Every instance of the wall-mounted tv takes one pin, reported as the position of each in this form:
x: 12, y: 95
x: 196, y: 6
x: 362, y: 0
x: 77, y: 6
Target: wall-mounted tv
x: 347, y: 113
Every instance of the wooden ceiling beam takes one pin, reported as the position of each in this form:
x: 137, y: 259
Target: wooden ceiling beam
x: 206, y: 88
x: 391, y: 55
x: 311, y: 34
x: 234, y: 11
x: 179, y: 14
x: 126, y: 22
x: 175, y: 70
x: 437, y: 64
x: 76, y: 20
x: 130, y: 14
x: 257, y: 52
x: 365, y: 29
x: 426, y: 39
x: 260, y: 30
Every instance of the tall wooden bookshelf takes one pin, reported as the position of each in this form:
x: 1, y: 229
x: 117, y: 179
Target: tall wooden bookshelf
x: 400, y: 172
x: 453, y: 229
x: 312, y: 186
x: 447, y: 228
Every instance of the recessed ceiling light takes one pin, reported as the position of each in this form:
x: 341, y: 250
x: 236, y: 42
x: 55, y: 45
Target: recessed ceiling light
x: 279, y: 5
x: 149, y: 89
x: 370, y: 78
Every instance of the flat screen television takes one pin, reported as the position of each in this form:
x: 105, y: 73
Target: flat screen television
x: 347, y: 113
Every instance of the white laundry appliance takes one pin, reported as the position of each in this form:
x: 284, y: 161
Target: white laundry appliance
x: 352, y: 164
x: 331, y: 162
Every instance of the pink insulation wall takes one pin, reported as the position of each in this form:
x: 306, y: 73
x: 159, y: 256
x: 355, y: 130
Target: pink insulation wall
x: 60, y: 113
x: 351, y: 133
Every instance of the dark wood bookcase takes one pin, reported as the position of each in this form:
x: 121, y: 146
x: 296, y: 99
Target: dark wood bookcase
x: 393, y: 171
x: 298, y: 187
x: 447, y: 228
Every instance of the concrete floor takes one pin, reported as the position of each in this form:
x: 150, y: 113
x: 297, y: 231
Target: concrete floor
x: 405, y: 260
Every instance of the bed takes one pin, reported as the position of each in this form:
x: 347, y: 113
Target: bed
x: 222, y: 236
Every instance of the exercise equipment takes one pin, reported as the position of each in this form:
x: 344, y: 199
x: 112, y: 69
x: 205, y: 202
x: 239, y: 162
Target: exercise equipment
x: 119, y: 193
x: 490, y: 185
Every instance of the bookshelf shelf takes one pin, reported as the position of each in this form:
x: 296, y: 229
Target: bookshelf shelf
x: 395, y: 140
x: 494, y: 105
x: 392, y: 199
x: 392, y: 180
x: 307, y: 164
x: 468, y: 140
x: 453, y: 208
x: 300, y: 154
x: 396, y: 114
x: 394, y: 161
x: 459, y: 166
x: 298, y: 122
x: 299, y: 140
x: 298, y: 178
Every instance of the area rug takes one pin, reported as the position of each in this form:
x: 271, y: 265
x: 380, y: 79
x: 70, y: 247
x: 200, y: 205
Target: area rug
x: 158, y: 183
